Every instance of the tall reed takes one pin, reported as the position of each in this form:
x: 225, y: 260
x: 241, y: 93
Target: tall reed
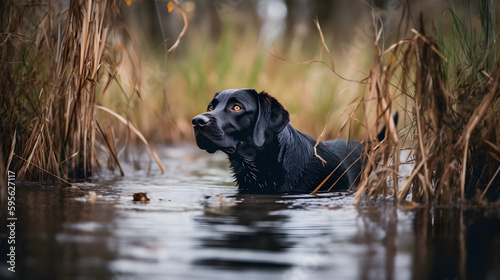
x: 455, y: 118
x: 55, y: 60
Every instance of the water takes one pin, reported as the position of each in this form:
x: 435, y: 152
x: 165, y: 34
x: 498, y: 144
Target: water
x: 196, y: 226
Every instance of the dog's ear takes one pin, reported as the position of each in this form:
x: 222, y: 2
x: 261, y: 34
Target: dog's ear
x: 271, y: 118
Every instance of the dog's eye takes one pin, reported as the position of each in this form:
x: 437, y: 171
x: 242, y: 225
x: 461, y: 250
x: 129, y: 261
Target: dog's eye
x: 210, y: 108
x: 236, y: 108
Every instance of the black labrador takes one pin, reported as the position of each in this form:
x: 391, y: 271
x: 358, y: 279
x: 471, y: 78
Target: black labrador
x: 266, y: 153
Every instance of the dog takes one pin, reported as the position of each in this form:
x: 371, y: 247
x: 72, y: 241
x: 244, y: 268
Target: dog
x: 266, y: 154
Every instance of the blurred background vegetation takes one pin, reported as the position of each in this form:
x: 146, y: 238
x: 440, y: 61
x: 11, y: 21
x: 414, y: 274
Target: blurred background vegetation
x: 238, y: 44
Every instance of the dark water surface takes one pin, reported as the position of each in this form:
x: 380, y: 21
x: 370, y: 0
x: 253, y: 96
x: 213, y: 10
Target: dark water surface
x: 196, y: 226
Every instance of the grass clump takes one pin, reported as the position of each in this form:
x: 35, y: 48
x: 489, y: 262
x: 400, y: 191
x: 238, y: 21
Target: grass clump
x: 55, y: 61
x: 453, y: 96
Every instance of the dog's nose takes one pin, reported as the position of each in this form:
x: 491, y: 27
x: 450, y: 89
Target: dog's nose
x: 200, y: 121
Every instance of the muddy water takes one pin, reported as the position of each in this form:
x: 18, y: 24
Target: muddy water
x: 196, y: 226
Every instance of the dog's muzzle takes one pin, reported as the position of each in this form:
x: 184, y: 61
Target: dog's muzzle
x: 200, y: 121
x: 210, y: 137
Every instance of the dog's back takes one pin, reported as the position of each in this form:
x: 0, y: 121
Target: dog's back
x: 336, y: 161
x: 288, y: 164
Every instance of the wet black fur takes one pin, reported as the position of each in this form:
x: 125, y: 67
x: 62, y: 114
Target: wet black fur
x: 266, y: 153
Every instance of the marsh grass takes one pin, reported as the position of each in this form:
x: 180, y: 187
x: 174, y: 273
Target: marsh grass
x: 55, y: 60
x: 453, y: 101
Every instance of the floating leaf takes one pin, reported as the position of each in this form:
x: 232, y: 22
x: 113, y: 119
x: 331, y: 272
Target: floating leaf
x: 128, y: 2
x: 140, y: 197
x: 170, y: 6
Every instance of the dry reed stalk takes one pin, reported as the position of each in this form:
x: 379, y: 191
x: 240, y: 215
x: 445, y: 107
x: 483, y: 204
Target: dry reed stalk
x: 453, y: 157
x: 457, y: 128
x: 51, y: 80
x: 382, y: 158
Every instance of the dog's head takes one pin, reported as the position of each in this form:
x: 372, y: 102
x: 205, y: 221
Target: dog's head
x: 239, y: 117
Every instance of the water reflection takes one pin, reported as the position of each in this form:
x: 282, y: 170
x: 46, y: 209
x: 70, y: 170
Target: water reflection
x: 57, y: 236
x: 249, y: 227
x: 196, y: 227
x: 386, y: 243
x: 307, y: 237
x: 457, y: 243
x: 380, y: 236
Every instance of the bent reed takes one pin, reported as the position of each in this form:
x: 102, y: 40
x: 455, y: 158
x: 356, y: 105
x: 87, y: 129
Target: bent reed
x: 56, y: 60
x: 451, y: 96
